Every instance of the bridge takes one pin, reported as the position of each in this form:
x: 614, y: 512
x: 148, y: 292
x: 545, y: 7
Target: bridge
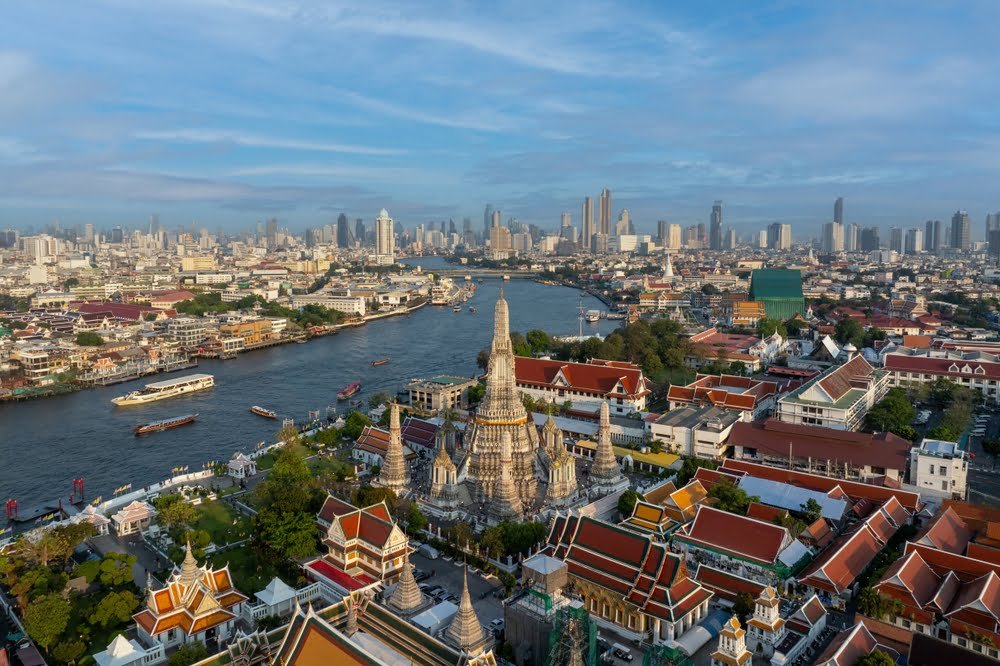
x: 485, y: 273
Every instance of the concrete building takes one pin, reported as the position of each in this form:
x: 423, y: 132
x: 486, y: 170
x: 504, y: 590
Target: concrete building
x: 385, y: 239
x: 839, y: 398
x: 939, y: 467
x: 440, y: 393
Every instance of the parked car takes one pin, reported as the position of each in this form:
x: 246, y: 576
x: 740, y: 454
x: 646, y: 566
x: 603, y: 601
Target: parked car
x: 621, y: 652
x: 419, y: 575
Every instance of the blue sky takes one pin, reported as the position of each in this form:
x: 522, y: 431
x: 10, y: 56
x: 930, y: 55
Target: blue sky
x: 225, y: 112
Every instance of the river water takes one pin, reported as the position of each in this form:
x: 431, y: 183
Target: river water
x: 46, y: 443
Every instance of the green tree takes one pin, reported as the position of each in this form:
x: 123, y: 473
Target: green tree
x: 483, y: 359
x: 89, y: 339
x: 709, y: 289
x: 476, y: 393
x: 767, y: 327
x: 68, y: 651
x: 992, y: 446
x: 175, y: 511
x: 538, y: 340
x: 731, y: 497
x: 892, y: 412
x: 849, y: 330
x: 367, y: 495
x: 354, y: 424
x: 416, y: 520
x: 70, y: 283
x: 290, y: 534
x: 519, y: 345
x: 114, y: 609
x: 46, y: 618
x: 187, y: 654
x: 626, y: 503
x: 377, y: 399
x: 689, y: 467
x: 876, y: 658
x: 743, y: 606
x: 491, y: 542
x: 116, y: 569
x: 289, y: 487
x: 811, y: 510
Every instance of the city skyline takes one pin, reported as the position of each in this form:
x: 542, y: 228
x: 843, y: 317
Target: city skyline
x: 252, y: 111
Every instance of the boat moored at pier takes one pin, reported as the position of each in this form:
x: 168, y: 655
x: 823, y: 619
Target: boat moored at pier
x: 170, y: 388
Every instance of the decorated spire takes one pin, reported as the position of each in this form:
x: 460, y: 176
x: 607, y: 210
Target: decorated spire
x: 501, y: 401
x: 189, y: 568
x: 394, y: 473
x: 407, y: 595
x: 506, y: 503
x: 465, y: 631
x: 605, y: 469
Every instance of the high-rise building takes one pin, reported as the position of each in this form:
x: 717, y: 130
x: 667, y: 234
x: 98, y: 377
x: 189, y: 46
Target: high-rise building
x: 929, y: 236
x: 869, y: 239
x: 729, y: 239
x: 993, y: 234
x: 272, y: 233
x: 838, y: 210
x: 661, y: 232
x: 8, y: 237
x: 851, y: 232
x: 385, y: 238
x: 960, y: 236
x: 360, y: 232
x: 833, y: 238
x: 495, y: 219
x: 675, y: 239
x: 487, y: 220
x: 896, y: 239
x: 344, y: 237
x: 624, y: 225
x: 715, y: 233
x: 604, y: 212
x: 779, y: 236
x: 914, y: 243
x: 587, y: 222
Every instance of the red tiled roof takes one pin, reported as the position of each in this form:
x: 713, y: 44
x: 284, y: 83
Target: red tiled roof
x: 341, y: 578
x: 706, y: 389
x: 776, y: 438
x: 727, y: 585
x: 942, y: 366
x: 594, y: 378
x: 765, y: 512
x: 737, y: 535
x: 966, y: 568
x: 838, y: 382
x: 946, y: 531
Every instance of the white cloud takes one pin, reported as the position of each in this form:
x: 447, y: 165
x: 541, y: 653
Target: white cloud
x: 258, y: 141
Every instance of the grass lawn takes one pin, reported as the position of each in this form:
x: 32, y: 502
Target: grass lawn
x: 324, y: 464
x: 676, y: 376
x: 266, y: 461
x: 217, y: 519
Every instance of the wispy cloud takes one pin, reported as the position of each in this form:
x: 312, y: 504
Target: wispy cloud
x: 258, y: 141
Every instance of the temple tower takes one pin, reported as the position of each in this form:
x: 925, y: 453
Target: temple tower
x: 395, y: 475
x: 407, y: 595
x: 505, y: 503
x: 444, y: 478
x: 465, y: 631
x: 605, y: 473
x: 501, y: 411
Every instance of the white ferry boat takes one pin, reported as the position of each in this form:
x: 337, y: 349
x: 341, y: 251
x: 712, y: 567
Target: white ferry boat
x: 168, y: 389
x: 593, y: 316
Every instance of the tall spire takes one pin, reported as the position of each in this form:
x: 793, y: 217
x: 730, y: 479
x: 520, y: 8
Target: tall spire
x: 407, y: 595
x: 394, y: 473
x: 501, y: 324
x: 465, y: 631
x: 506, y: 504
x: 189, y: 568
x: 605, y: 470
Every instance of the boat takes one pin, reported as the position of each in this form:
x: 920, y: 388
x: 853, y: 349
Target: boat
x: 166, y: 389
x: 593, y: 315
x: 262, y: 411
x: 165, y: 424
x: 472, y: 309
x: 348, y: 390
x: 506, y: 277
x: 457, y: 308
x: 380, y: 361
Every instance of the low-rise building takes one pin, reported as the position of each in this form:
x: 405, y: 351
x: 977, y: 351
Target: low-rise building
x: 362, y: 541
x: 974, y: 369
x: 753, y: 397
x: 440, y: 393
x: 939, y: 467
x: 839, y: 398
x: 620, y: 384
x: 702, y: 432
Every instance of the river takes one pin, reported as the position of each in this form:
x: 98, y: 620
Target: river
x: 46, y: 443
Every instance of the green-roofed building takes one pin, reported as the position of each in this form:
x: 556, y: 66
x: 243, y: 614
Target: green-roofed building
x: 780, y: 290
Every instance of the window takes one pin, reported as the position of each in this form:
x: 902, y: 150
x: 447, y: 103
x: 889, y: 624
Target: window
x: 962, y: 642
x: 942, y: 469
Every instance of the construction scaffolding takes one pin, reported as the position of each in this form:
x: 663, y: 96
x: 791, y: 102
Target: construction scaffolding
x: 661, y: 655
x: 573, y: 640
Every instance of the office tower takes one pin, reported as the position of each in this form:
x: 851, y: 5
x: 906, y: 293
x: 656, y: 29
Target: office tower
x: 599, y: 244
x: 154, y: 223
x: 870, y: 239
x: 495, y: 219
x: 729, y: 239
x: 914, y: 240
x: 385, y: 237
x: 896, y: 239
x: 851, y: 232
x: 929, y: 236
x: 624, y: 225
x: 272, y: 233
x: 993, y: 234
x: 117, y: 235
x: 675, y: 239
x: 344, y: 237
x: 838, y: 210
x: 587, y: 222
x: 833, y: 238
x: 88, y: 233
x: 715, y: 228
x: 604, y: 212
x: 487, y: 220
x: 360, y: 231
x: 8, y: 237
x: 960, y: 238
x: 661, y: 232
x: 702, y: 236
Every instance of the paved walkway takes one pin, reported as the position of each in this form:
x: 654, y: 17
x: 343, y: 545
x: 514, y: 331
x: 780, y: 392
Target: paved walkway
x: 146, y: 561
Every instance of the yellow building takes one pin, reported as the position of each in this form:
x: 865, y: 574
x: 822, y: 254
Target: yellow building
x: 198, y: 263
x: 252, y: 332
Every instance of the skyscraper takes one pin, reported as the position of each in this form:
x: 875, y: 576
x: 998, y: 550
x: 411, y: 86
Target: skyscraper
x: 715, y: 229
x: 272, y: 233
x: 960, y: 239
x: 604, y: 206
x: 344, y: 237
x: 869, y: 239
x: 675, y: 241
x: 851, y: 232
x: 624, y: 225
x: 360, y: 231
x: 929, y: 236
x: 487, y: 220
x: 385, y: 238
x: 993, y: 234
x: 661, y: 232
x: 779, y: 236
x: 833, y: 238
x: 896, y: 239
x: 587, y: 222
x: 914, y: 243
x: 838, y: 210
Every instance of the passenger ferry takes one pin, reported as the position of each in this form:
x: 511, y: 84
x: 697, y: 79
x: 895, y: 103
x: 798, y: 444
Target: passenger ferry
x: 166, y: 424
x: 263, y: 411
x: 593, y: 316
x: 348, y: 390
x: 163, y: 390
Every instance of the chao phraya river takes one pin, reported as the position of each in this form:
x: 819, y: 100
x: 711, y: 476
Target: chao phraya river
x: 46, y: 443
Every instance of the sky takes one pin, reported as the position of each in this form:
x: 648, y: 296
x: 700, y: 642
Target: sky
x: 226, y: 112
